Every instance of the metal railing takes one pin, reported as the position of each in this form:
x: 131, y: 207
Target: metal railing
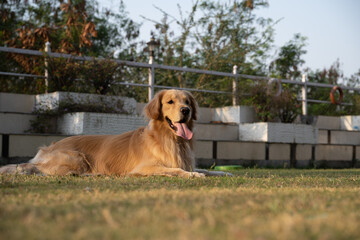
x: 152, y: 66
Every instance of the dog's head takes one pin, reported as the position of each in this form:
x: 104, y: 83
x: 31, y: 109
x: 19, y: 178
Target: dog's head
x: 177, y: 109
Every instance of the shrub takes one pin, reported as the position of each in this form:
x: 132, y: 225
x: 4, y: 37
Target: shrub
x: 63, y: 74
x: 270, y: 108
x: 101, y: 75
x: 262, y: 102
x: 96, y: 76
x: 286, y: 106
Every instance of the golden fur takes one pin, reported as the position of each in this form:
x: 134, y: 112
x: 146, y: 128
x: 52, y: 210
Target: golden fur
x: 152, y: 150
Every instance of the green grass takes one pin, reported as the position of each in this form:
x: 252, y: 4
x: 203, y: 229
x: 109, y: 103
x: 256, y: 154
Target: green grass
x: 255, y: 204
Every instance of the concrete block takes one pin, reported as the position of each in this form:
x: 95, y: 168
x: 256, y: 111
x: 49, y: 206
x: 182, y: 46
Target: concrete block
x: 52, y: 100
x: 278, y: 132
x: 279, y: 152
x: 140, y: 108
x: 350, y: 123
x: 235, y: 114
x: 304, y: 164
x: 203, y: 149
x: 240, y: 151
x: 98, y: 123
x: 205, y: 115
x: 333, y: 153
x: 323, y: 137
x: 303, y: 152
x: 16, y: 103
x: 328, y: 122
x: 28, y: 145
x: 14, y: 123
x: 305, y: 133
x: 345, y: 137
x: 216, y: 132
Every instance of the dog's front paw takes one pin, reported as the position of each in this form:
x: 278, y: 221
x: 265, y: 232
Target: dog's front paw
x: 196, y: 175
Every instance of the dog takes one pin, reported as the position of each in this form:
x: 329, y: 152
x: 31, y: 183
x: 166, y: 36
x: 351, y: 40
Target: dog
x: 163, y: 147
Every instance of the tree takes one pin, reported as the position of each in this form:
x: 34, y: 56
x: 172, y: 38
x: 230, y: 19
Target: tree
x: 231, y: 34
x: 223, y: 36
x: 175, y: 49
x: 289, y: 60
x: 353, y: 97
x: 327, y: 76
x: 66, y: 25
x: 117, y: 34
x: 354, y: 80
x: 72, y: 26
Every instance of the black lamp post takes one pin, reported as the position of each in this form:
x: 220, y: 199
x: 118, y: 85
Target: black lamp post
x: 152, y: 46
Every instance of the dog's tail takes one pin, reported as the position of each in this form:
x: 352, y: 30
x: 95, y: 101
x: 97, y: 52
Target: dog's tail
x: 23, y: 168
x: 26, y: 168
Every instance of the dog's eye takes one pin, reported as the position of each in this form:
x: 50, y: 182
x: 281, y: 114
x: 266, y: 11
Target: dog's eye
x: 170, y: 102
x: 187, y: 102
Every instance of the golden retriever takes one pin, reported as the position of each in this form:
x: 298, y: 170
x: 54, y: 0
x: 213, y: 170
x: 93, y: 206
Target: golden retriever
x: 163, y: 147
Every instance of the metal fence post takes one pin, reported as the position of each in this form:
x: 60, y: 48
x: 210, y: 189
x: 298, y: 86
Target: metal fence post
x: 234, y: 87
x: 151, y: 78
x: 47, y: 76
x: 304, y: 95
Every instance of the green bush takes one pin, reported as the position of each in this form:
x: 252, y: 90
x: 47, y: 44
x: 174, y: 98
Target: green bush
x: 270, y: 108
x: 96, y: 76
x: 63, y: 74
x: 101, y: 75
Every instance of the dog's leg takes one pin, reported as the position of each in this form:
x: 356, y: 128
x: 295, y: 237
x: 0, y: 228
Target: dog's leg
x: 164, y: 171
x: 64, y: 163
x: 213, y: 173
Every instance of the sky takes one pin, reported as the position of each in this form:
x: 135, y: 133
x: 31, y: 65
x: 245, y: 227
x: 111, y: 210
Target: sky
x: 332, y: 27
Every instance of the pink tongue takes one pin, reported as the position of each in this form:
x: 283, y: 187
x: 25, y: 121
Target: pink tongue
x: 183, y: 131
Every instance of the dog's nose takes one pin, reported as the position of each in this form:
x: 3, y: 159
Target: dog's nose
x: 185, y: 110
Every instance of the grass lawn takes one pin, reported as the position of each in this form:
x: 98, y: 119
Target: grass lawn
x: 255, y: 204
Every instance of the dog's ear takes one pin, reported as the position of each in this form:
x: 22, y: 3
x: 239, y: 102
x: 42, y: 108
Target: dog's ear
x: 194, y: 105
x: 153, y: 108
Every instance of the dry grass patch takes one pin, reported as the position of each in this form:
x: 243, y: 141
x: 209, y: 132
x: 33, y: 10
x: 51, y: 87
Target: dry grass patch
x: 257, y: 203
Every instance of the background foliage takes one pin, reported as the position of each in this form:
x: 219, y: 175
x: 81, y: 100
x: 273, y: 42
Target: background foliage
x: 214, y: 35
